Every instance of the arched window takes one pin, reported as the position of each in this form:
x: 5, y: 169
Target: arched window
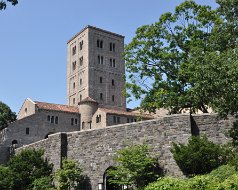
x: 52, y: 119
x: 25, y: 111
x: 56, y: 120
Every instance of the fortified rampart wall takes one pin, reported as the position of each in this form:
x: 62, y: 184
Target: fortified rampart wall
x: 94, y: 149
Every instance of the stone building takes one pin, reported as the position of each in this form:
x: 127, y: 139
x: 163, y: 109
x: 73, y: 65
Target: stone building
x: 95, y: 70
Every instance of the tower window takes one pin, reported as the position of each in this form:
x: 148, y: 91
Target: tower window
x: 81, y: 45
x: 72, y: 121
x: 81, y: 81
x: 74, y: 50
x: 100, y: 43
x: 128, y: 120
x: 112, y: 47
x: 74, y: 85
x: 101, y: 96
x: 73, y: 100
x: 74, y: 65
x: 113, y: 98
x: 114, y: 119
x: 76, y: 121
x: 48, y: 118
x: 80, y: 97
x: 100, y: 59
x: 100, y: 79
x: 27, y: 131
x: 112, y: 62
x: 81, y: 61
x: 113, y: 83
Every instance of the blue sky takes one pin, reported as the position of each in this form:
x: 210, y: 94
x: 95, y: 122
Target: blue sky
x: 33, y: 38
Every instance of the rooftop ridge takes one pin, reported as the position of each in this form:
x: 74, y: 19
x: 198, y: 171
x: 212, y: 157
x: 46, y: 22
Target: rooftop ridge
x: 95, y: 28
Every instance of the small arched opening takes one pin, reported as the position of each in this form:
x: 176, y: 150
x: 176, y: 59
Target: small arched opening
x: 50, y: 133
x: 14, y: 143
x: 106, y: 181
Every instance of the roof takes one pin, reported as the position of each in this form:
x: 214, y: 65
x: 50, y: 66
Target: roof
x: 125, y: 113
x: 95, y: 28
x: 56, y: 107
x: 88, y: 99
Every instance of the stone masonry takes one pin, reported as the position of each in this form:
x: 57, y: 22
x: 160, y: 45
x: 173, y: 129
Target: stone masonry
x: 94, y: 149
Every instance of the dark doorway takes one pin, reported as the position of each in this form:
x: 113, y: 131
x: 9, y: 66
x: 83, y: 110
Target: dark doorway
x: 48, y: 135
x: 107, y: 184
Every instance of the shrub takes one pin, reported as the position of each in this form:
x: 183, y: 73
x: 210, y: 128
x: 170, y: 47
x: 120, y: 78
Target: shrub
x: 135, y: 167
x: 199, y: 156
x: 168, y: 183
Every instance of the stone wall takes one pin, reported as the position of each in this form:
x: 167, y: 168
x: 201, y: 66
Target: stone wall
x: 94, y: 149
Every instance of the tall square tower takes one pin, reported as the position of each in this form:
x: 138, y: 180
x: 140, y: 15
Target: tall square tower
x: 95, y: 68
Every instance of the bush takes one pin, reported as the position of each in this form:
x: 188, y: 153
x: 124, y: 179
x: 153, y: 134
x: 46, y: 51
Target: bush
x: 223, y: 172
x: 167, y: 183
x: 135, y: 167
x: 199, y: 156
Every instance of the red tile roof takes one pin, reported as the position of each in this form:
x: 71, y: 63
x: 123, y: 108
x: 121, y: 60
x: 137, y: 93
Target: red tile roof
x: 56, y: 107
x: 126, y: 113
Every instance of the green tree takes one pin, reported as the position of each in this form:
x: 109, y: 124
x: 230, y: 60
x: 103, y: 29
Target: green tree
x: 43, y: 183
x: 5, y: 178
x: 135, y: 167
x: 186, y: 60
x: 69, y: 176
x: 6, y: 115
x: 3, y: 4
x: 26, y: 167
x: 199, y: 156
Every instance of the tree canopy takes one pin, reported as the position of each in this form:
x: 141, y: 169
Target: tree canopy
x: 3, y: 4
x: 25, y: 170
x: 135, y: 167
x: 187, y: 59
x: 200, y: 156
x: 6, y: 115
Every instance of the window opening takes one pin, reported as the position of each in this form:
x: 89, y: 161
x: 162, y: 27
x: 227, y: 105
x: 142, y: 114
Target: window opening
x: 56, y: 120
x: 27, y: 131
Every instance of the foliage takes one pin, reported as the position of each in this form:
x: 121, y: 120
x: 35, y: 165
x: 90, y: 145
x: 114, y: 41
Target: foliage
x: 3, y: 4
x: 223, y: 172
x: 167, y: 183
x: 135, y: 167
x: 223, y: 178
x: 199, y: 156
x: 26, y: 167
x: 233, y: 133
x: 187, y: 59
x: 69, y: 176
x: 6, y: 115
x: 5, y: 178
x: 43, y: 183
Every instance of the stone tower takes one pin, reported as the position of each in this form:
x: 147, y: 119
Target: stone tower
x: 95, y: 68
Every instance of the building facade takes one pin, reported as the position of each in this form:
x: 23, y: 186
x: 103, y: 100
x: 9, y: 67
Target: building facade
x: 95, y: 70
